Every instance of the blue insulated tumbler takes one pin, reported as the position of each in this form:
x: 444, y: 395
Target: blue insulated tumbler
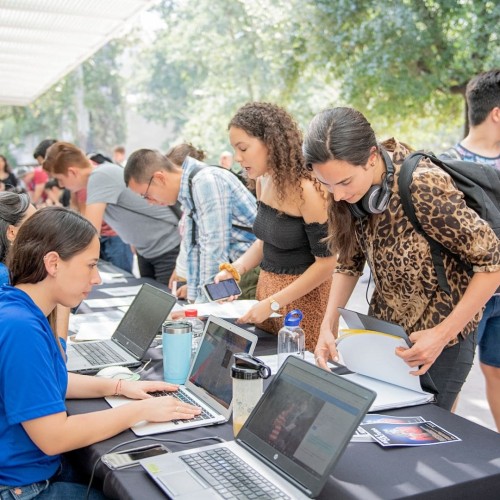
x: 177, y: 338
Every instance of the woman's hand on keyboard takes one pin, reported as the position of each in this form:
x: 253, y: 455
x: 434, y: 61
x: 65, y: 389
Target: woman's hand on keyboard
x: 140, y: 389
x: 164, y: 408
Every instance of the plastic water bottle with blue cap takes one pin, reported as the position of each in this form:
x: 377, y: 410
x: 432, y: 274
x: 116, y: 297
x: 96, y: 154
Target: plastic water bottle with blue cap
x: 291, y: 338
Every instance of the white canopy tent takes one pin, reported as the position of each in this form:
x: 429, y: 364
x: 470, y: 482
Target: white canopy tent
x: 41, y: 41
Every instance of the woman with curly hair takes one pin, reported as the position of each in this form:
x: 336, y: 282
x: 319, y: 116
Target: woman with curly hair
x: 7, y: 178
x: 296, y: 265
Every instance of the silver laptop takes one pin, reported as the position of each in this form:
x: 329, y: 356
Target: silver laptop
x: 208, y: 384
x: 132, y: 337
x: 287, y: 447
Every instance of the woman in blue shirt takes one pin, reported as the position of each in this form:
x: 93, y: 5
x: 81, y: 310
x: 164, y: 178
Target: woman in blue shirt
x: 14, y: 210
x: 54, y: 261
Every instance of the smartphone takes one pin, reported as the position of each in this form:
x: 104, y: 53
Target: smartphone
x: 128, y: 458
x: 221, y: 290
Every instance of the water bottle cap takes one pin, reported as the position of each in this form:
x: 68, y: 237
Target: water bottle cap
x: 293, y: 318
x: 191, y: 313
x: 248, y: 367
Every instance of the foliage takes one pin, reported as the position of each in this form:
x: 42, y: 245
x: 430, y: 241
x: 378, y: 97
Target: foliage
x: 405, y: 64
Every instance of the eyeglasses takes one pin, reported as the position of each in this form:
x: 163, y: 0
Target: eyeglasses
x: 145, y: 195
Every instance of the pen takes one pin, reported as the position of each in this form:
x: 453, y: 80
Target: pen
x: 174, y: 288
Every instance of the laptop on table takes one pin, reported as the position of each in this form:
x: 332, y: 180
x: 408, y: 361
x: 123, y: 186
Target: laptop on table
x: 287, y: 447
x: 209, y: 384
x: 132, y: 337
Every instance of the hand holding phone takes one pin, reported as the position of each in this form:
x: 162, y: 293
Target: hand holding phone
x: 129, y: 458
x: 221, y: 290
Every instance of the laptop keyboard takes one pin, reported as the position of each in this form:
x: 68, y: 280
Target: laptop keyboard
x: 230, y: 476
x: 98, y: 353
x: 185, y: 398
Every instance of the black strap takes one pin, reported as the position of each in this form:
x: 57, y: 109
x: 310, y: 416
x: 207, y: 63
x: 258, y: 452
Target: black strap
x: 404, y: 182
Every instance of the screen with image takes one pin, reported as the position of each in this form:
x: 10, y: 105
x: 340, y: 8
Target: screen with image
x: 305, y: 420
x: 212, y: 368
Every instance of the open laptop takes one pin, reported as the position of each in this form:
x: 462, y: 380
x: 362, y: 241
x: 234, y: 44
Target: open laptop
x: 288, y: 446
x: 209, y: 384
x: 132, y: 336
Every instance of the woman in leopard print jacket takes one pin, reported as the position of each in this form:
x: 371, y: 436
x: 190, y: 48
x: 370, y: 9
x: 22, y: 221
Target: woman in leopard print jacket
x: 367, y: 223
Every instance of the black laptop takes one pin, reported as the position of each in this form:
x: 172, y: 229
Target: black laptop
x: 132, y: 337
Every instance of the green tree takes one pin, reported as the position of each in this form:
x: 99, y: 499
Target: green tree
x: 402, y: 61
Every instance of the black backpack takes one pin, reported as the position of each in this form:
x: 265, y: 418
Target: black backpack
x: 480, y: 185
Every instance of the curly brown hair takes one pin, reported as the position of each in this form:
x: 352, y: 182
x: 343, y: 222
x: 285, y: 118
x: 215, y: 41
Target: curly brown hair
x: 276, y: 128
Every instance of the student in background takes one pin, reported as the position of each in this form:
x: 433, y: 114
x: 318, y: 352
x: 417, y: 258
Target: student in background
x: 34, y: 180
x: 7, y: 177
x: 119, y: 157
x: 54, y: 261
x: 15, y: 209
x: 151, y: 230
x: 296, y: 267
x: 219, y: 210
x: 177, y: 154
x: 367, y: 222
x: 482, y: 145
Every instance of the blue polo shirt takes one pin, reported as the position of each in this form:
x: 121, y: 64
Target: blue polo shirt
x: 4, y: 274
x: 33, y: 383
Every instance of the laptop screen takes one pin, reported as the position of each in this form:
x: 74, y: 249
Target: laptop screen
x: 305, y: 420
x: 143, y: 319
x: 212, y: 367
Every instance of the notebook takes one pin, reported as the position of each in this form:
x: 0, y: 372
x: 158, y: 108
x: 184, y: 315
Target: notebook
x: 368, y: 350
x: 287, y: 447
x: 132, y: 336
x: 209, y: 383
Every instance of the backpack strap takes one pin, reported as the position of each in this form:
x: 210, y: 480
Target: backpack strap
x: 452, y: 153
x: 404, y: 181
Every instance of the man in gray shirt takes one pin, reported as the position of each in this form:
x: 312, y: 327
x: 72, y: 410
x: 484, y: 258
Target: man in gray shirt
x: 152, y: 230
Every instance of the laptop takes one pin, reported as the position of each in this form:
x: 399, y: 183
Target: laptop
x: 132, y: 337
x: 287, y: 448
x: 209, y: 384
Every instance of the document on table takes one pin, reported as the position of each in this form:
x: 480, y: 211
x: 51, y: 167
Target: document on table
x: 122, y: 291
x: 94, y: 326
x: 112, y: 302
x: 112, y: 277
x: 233, y: 309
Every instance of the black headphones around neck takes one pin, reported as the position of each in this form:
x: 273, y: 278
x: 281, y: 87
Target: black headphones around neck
x: 377, y: 198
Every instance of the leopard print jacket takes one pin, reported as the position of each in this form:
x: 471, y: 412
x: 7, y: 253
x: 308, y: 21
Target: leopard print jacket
x: 406, y: 286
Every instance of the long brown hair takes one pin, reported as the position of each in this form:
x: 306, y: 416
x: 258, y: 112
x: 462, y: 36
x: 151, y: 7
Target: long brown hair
x: 50, y: 229
x: 339, y: 134
x: 276, y: 128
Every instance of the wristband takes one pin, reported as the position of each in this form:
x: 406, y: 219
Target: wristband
x: 226, y: 266
x: 118, y: 388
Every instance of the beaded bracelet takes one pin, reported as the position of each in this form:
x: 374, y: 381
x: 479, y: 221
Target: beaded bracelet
x: 118, y: 388
x: 226, y: 266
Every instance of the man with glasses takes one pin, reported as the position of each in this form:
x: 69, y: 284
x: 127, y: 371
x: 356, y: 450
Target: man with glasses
x: 220, y: 211
x: 151, y: 230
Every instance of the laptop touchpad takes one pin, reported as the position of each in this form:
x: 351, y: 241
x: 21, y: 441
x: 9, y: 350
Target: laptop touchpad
x: 182, y: 483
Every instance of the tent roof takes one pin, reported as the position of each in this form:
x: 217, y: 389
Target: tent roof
x: 41, y: 41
